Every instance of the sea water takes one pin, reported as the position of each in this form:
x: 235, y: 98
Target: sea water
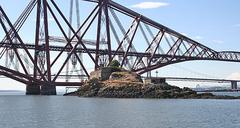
x: 20, y: 111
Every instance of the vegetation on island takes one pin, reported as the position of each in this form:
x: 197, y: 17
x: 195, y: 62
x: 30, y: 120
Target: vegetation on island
x: 114, y: 64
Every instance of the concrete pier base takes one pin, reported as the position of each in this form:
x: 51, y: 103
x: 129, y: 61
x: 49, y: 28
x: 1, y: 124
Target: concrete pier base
x: 48, y: 90
x: 234, y: 85
x: 32, y: 90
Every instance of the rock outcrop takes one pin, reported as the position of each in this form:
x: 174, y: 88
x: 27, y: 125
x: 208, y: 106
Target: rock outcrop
x: 126, y: 84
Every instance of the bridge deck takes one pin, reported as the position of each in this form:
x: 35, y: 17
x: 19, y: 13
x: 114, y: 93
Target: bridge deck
x: 195, y: 79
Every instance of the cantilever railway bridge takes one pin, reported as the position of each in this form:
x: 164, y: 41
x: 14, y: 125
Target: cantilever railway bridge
x: 62, y: 45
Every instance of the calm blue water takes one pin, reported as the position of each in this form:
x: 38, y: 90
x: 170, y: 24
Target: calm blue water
x: 74, y: 112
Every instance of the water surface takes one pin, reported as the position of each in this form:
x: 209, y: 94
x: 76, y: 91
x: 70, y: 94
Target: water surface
x: 74, y: 112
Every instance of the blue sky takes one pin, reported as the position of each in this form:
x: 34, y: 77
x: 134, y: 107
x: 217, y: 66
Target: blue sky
x: 214, y: 23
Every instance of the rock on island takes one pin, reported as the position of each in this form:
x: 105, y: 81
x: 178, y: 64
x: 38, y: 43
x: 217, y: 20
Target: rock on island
x: 114, y: 82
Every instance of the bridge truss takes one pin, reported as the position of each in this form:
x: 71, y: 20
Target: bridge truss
x: 105, y: 31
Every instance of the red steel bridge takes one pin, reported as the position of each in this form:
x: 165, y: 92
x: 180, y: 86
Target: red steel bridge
x: 61, y: 46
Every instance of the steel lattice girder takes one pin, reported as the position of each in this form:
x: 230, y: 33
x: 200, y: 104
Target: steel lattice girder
x: 180, y: 48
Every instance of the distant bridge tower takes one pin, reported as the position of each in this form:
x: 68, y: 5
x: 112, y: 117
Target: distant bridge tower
x: 234, y: 85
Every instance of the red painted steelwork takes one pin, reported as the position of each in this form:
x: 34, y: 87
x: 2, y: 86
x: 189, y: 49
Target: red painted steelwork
x: 103, y: 16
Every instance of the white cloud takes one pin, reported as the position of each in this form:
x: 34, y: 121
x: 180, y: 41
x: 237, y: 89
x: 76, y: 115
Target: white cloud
x: 234, y: 76
x: 150, y: 5
x: 218, y: 41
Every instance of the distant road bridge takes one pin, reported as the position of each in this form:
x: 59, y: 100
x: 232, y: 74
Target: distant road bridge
x: 163, y: 79
x: 197, y: 79
x: 104, y: 32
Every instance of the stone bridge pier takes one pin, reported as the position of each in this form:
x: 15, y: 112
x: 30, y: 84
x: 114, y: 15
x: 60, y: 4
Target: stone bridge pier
x: 35, y: 89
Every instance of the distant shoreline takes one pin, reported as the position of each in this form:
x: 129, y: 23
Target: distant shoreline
x: 12, y: 91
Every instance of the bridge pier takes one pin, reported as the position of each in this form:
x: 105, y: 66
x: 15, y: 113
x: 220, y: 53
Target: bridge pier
x: 48, y: 89
x: 234, y: 85
x: 32, y: 89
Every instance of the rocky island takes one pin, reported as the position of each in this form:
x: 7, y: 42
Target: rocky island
x: 114, y: 82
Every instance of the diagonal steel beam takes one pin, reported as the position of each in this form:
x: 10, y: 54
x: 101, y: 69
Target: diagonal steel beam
x: 19, y: 38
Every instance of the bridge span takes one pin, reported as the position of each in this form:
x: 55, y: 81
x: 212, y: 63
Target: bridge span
x: 233, y: 83
x: 109, y: 32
